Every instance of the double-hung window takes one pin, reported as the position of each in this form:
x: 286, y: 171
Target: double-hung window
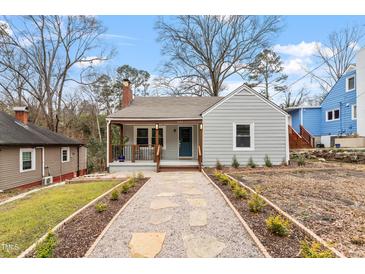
x: 243, y: 136
x: 333, y: 115
x: 142, y: 136
x: 27, y: 159
x: 146, y: 135
x: 350, y: 83
x: 65, y: 154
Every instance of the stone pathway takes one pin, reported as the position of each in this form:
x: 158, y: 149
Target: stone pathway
x: 177, y: 214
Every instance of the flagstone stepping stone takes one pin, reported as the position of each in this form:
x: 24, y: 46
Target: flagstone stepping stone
x: 198, y: 218
x: 202, y: 246
x: 166, y: 194
x: 192, y: 191
x: 197, y: 202
x: 162, y: 203
x: 157, y: 219
x: 146, y: 245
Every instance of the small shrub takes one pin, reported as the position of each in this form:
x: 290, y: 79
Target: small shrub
x: 140, y: 175
x: 301, y: 160
x: 251, y: 163
x: 240, y: 192
x: 278, y: 225
x: 218, y: 165
x: 235, y: 163
x: 267, y: 161
x: 256, y: 203
x: 45, y: 248
x: 101, y: 207
x: 314, y: 250
x: 233, y: 184
x: 114, y: 195
x: 125, y: 187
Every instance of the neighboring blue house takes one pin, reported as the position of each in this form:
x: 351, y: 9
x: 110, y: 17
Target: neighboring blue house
x: 336, y: 116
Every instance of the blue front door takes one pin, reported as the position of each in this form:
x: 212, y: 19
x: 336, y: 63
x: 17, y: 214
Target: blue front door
x: 185, y: 142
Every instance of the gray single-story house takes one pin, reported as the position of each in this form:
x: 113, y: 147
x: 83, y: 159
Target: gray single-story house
x: 173, y: 132
x: 31, y: 155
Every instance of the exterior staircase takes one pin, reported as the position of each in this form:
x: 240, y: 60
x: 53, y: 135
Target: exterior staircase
x: 300, y: 140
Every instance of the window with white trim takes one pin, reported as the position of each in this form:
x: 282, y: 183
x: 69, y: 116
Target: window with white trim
x: 350, y: 83
x: 142, y: 136
x: 354, y: 112
x: 333, y: 115
x: 27, y: 159
x: 146, y: 135
x: 243, y: 135
x: 65, y: 154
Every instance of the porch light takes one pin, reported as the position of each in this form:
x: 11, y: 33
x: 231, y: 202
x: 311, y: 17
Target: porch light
x: 156, y: 126
x: 201, y: 126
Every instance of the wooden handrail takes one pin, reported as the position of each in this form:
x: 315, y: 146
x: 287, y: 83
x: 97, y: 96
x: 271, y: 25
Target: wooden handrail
x: 200, y: 157
x: 158, y: 158
x: 307, y: 136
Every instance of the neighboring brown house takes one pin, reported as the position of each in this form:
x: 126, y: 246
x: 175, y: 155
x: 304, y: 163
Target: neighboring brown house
x: 31, y: 155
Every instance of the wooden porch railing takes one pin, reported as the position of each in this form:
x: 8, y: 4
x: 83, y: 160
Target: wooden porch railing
x: 158, y: 158
x: 133, y: 152
x: 200, y: 157
x: 297, y: 141
x: 307, y: 136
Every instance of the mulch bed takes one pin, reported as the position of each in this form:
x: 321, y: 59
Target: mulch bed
x: 76, y: 236
x: 278, y: 247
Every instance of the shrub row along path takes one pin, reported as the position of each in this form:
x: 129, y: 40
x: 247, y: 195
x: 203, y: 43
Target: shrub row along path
x: 177, y: 214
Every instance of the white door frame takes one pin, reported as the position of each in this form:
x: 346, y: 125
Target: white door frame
x: 178, y: 142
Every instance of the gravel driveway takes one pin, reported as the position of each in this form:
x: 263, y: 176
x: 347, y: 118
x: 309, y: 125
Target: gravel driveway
x: 190, y: 213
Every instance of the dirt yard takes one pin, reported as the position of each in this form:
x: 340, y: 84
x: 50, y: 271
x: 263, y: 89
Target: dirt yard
x: 329, y: 198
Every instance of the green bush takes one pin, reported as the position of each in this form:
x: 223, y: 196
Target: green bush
x: 232, y: 183
x: 267, y: 161
x: 251, y: 163
x: 301, y: 160
x: 125, y: 187
x: 224, y: 179
x: 235, y: 163
x: 45, y: 248
x: 132, y: 181
x: 314, y: 250
x: 101, y: 207
x: 278, y: 225
x: 114, y: 195
x: 256, y: 203
x: 218, y: 165
x: 240, y: 192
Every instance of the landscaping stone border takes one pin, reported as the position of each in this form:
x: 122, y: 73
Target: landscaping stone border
x: 243, y: 222
x: 293, y: 220
x: 91, y: 249
x: 54, y: 229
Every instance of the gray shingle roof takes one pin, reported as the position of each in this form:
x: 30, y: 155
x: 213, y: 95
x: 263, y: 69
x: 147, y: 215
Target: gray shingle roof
x: 13, y: 132
x: 166, y: 107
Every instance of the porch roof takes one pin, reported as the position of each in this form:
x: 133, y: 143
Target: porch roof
x: 166, y: 108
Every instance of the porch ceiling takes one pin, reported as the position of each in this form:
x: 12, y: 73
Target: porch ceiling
x: 158, y: 121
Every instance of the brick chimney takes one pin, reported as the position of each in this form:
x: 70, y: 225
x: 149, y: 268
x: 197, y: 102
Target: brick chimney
x: 127, y: 96
x: 21, y: 114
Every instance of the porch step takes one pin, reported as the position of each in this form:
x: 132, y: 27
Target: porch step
x: 178, y: 168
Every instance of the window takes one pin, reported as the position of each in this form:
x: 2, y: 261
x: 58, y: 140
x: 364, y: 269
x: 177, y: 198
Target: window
x: 160, y: 136
x: 65, y: 154
x: 354, y: 112
x: 243, y: 137
x: 142, y: 136
x: 333, y: 115
x: 27, y: 159
x: 350, y: 83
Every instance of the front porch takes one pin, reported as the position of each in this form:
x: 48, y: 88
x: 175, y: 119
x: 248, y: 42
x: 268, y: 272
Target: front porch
x: 154, y: 144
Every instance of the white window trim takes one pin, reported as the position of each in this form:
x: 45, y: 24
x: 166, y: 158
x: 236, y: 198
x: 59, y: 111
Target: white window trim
x: 32, y: 150
x: 347, y: 83
x: 68, y: 154
x: 149, y: 127
x: 252, y: 137
x: 333, y: 115
x: 352, y: 112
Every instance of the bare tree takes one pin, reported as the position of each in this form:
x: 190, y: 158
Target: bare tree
x: 294, y: 98
x: 266, y: 73
x: 204, y: 51
x: 337, y: 54
x: 39, y: 55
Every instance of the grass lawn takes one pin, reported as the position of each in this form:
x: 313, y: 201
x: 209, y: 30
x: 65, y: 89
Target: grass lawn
x: 24, y: 221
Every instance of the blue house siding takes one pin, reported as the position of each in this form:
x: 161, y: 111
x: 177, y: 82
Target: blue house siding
x: 295, y: 119
x: 338, y: 98
x: 312, y: 120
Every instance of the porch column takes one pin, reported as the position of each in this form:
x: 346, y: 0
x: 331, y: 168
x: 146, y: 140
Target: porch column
x: 157, y: 126
x: 201, y: 138
x: 109, y: 141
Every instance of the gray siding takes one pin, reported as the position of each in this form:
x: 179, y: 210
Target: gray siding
x: 269, y: 131
x: 11, y: 177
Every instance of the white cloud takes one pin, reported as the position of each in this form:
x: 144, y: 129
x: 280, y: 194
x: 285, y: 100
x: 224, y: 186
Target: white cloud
x: 295, y: 66
x: 90, y: 61
x: 303, y: 49
x: 118, y: 36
